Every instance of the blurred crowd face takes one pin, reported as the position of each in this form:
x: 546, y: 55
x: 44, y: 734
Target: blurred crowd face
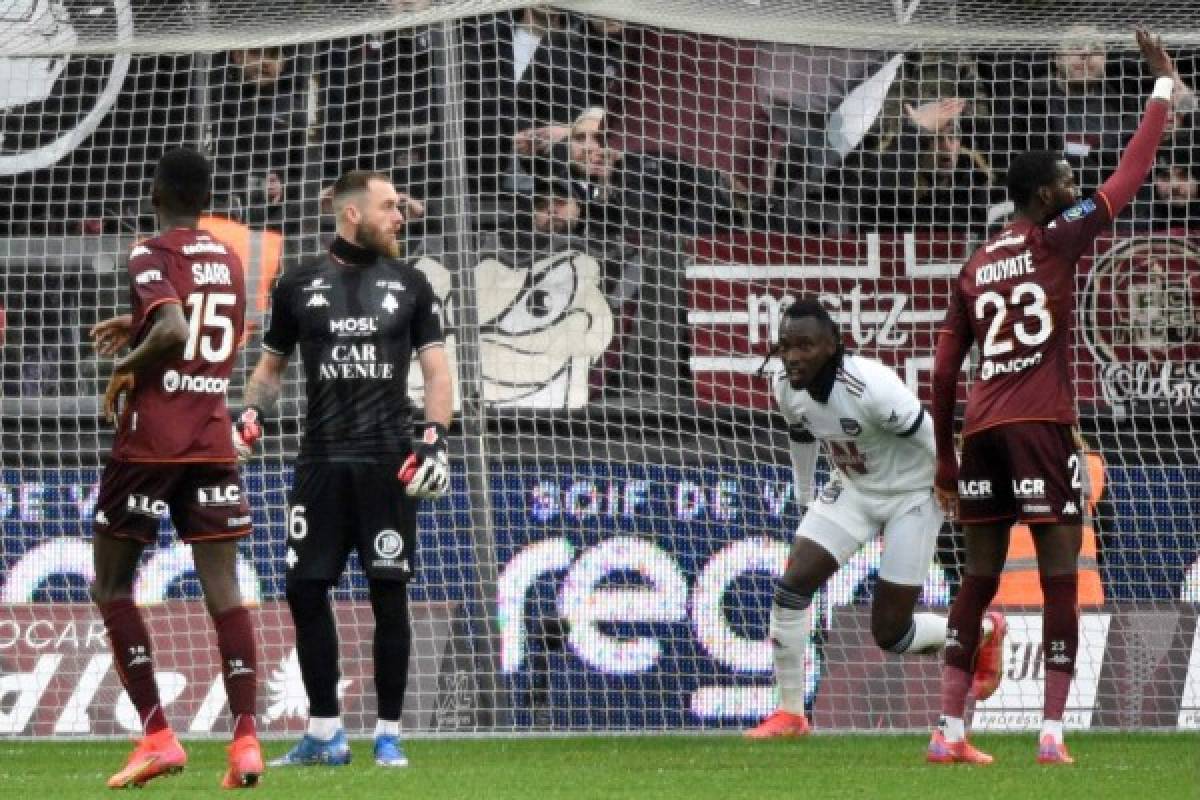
x: 590, y: 154
x: 556, y: 214
x: 605, y: 26
x: 260, y: 66
x: 1175, y: 186
x: 1080, y: 63
x: 947, y: 146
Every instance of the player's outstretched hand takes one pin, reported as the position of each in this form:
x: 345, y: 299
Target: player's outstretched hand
x: 112, y: 334
x: 1155, y: 54
x: 247, y: 430
x: 426, y: 472
x: 119, y: 385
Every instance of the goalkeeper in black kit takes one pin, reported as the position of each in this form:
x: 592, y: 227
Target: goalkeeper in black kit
x: 357, y: 315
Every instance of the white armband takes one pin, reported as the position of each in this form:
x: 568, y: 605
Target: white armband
x: 1162, y: 89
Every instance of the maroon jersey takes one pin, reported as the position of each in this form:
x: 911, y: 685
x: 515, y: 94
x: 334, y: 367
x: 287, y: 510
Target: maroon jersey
x: 177, y: 411
x: 1015, y: 298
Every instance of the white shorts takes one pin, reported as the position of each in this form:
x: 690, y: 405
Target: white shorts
x: 843, y: 519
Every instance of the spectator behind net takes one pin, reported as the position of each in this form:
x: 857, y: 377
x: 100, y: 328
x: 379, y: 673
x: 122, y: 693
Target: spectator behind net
x: 913, y: 169
x: 260, y: 114
x: 629, y: 194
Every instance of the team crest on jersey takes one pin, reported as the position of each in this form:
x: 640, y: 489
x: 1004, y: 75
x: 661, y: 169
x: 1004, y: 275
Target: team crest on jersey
x: 1140, y: 318
x: 851, y: 426
x: 1080, y: 210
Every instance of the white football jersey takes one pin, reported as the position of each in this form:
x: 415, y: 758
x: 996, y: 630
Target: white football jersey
x: 874, y: 430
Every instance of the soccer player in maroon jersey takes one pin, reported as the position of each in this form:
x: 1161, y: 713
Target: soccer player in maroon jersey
x: 172, y: 454
x: 1019, y: 460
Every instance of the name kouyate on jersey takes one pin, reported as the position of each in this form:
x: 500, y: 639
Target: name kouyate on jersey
x: 357, y: 328
x: 871, y: 427
x: 177, y: 408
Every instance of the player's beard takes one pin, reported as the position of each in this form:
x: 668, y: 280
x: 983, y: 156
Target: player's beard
x: 379, y: 241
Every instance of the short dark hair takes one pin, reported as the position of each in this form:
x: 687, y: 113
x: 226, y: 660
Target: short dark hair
x: 183, y: 181
x: 812, y: 307
x: 356, y: 180
x: 1029, y: 172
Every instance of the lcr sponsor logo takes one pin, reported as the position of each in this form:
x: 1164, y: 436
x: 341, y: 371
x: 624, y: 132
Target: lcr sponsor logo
x: 146, y: 506
x: 219, y: 495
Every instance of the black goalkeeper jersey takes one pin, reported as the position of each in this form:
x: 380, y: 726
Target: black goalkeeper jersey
x: 357, y: 319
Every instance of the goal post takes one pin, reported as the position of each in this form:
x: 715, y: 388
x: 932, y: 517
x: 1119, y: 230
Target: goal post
x: 614, y: 202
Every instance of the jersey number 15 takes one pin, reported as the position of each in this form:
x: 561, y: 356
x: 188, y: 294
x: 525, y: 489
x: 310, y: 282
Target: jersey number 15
x: 205, y: 314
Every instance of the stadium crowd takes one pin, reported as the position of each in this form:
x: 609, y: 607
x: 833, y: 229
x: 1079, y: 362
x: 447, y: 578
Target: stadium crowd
x: 617, y: 139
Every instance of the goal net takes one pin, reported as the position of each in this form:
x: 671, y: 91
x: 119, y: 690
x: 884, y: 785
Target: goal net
x: 615, y: 211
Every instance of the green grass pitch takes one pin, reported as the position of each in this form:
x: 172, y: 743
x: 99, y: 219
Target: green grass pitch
x: 1125, y: 766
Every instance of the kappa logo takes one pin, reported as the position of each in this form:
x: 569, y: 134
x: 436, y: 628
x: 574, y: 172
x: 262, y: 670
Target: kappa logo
x: 101, y: 518
x: 1070, y: 508
x: 318, y: 301
x: 389, y: 303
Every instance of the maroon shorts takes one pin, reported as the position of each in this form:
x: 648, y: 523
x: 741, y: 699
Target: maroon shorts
x: 1027, y: 471
x: 205, y: 501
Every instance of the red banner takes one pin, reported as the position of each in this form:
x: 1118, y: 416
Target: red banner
x: 1137, y: 326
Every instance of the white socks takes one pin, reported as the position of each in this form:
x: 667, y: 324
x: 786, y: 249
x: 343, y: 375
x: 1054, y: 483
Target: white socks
x: 384, y: 727
x: 324, y: 728
x: 926, y: 634
x: 789, y: 643
x: 1054, y: 729
x: 953, y: 729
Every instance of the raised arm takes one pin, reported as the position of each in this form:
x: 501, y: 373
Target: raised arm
x: 1118, y: 191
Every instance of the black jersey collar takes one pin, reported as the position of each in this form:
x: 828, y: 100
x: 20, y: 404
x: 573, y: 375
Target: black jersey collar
x: 822, y: 383
x: 348, y: 252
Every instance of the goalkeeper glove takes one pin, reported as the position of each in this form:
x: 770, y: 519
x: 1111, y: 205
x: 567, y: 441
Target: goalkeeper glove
x: 247, y: 430
x: 426, y: 471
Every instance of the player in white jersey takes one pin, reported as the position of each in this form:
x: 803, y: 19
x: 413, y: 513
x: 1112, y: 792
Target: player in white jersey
x: 880, y: 442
